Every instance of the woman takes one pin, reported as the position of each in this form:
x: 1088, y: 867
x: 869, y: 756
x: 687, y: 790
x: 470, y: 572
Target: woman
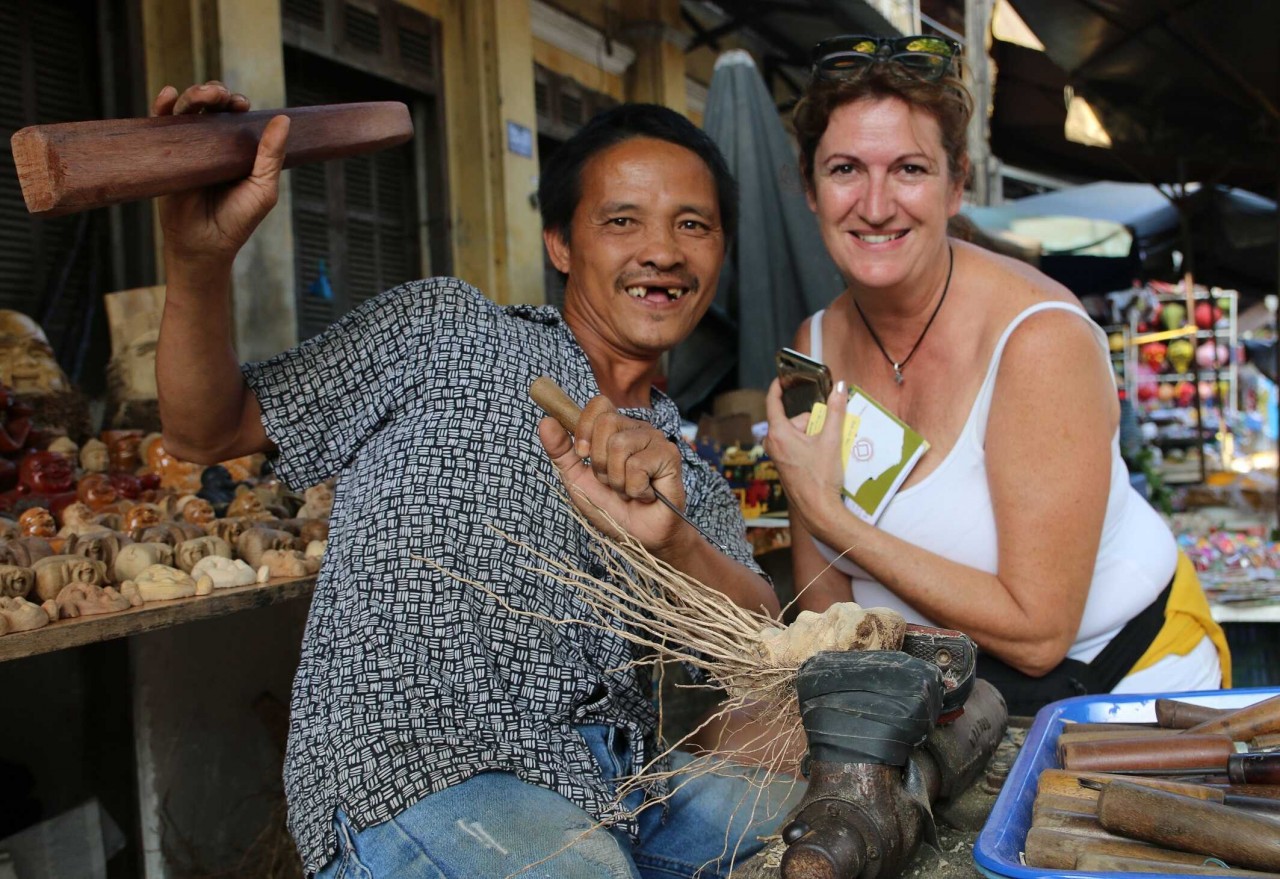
x: 1018, y: 525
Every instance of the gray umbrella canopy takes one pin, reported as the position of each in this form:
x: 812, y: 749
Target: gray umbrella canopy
x: 778, y: 271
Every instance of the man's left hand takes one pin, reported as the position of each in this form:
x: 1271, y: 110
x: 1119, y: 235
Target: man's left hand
x: 613, y: 463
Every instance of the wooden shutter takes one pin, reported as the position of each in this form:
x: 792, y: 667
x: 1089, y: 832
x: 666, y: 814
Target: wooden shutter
x: 359, y: 215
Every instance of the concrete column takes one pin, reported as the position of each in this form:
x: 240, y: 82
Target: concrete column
x: 657, y: 76
x: 492, y: 122
x: 250, y: 59
x: 986, y: 188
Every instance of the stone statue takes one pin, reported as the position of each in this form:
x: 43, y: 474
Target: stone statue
x: 140, y: 516
x: 37, y: 522
x: 86, y: 599
x: 228, y: 529
x: 98, y: 546
x: 286, y: 563
x: 189, y: 552
x: 19, y: 615
x: 136, y: 557
x: 196, y: 510
x: 8, y: 528
x: 97, y: 492
x: 122, y: 449
x: 131, y: 373
x: 315, y: 549
x: 66, y: 446
x: 56, y: 571
x: 24, y: 551
x: 256, y: 540
x: 319, y: 502
x: 165, y: 583
x: 224, y: 572
x: 93, y: 456
x: 247, y: 505
x: 27, y: 364
x: 16, y: 582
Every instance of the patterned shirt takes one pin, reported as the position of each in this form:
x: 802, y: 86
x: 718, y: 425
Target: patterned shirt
x: 411, y: 681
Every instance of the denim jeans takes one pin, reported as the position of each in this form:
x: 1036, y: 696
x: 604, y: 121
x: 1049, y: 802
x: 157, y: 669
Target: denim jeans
x: 495, y: 825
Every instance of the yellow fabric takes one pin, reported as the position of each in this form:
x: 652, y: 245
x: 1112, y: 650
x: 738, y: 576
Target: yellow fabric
x: 1186, y: 621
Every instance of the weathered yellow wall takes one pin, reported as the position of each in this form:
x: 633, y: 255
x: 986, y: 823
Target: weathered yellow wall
x: 588, y: 75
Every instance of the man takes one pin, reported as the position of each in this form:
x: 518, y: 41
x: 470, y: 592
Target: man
x: 432, y: 731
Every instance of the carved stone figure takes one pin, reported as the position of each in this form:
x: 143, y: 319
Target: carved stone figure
x: 19, y: 615
x: 16, y: 582
x: 96, y: 491
x: 247, y: 505
x: 196, y: 510
x: 287, y: 563
x: 56, y: 571
x: 173, y: 473
x: 122, y: 449
x: 24, y: 551
x: 140, y: 516
x: 27, y: 364
x: 224, y: 572
x: 228, y: 529
x: 315, y: 549
x: 93, y: 456
x: 99, y: 546
x: 189, y: 552
x: 87, y: 599
x: 319, y: 502
x: 256, y: 540
x: 37, y: 522
x: 136, y: 557
x: 46, y: 473
x: 66, y: 446
x: 305, y: 529
x: 165, y: 583
x: 131, y: 373
x: 8, y: 528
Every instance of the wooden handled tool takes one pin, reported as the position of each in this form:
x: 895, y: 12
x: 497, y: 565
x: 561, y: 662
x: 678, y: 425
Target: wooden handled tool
x: 1165, y: 754
x: 1173, y: 714
x: 560, y: 406
x: 75, y: 166
x: 1260, y: 718
x: 1166, y: 819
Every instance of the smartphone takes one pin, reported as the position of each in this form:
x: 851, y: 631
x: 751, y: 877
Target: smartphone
x: 804, y: 381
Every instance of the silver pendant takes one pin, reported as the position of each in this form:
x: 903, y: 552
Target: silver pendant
x: 897, y: 374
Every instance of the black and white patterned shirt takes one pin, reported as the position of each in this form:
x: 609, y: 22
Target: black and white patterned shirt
x: 410, y: 681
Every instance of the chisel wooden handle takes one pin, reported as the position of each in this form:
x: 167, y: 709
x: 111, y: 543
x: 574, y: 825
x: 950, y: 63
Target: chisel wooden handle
x: 1142, y: 755
x: 556, y: 403
x: 75, y: 166
x: 1257, y: 719
x: 1173, y: 714
x: 1166, y: 819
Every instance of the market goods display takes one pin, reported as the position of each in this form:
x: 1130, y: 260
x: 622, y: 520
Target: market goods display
x: 118, y: 523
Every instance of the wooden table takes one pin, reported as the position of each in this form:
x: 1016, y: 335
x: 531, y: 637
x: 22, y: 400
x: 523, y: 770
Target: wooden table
x: 154, y: 615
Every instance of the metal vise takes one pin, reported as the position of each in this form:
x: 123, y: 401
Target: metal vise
x: 879, y: 757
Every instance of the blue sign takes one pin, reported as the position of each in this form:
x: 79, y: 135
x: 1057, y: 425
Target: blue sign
x: 519, y: 139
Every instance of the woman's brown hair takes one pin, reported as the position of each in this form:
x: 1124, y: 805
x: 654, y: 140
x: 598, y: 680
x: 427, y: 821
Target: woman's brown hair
x: 947, y: 100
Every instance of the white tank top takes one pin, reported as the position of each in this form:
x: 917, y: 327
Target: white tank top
x: 949, y: 512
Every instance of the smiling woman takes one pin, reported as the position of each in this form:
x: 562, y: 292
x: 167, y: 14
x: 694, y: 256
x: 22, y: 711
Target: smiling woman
x: 1018, y: 525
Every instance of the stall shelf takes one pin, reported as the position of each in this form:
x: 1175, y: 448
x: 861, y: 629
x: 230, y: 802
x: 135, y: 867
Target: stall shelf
x: 63, y: 634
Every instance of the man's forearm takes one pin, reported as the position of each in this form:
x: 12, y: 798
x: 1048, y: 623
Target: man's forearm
x: 708, y: 565
x: 201, y: 391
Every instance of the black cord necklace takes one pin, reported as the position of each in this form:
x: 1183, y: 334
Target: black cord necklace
x: 901, y: 365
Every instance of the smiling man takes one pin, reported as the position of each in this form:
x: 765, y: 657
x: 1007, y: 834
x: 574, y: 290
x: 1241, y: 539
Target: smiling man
x: 432, y: 731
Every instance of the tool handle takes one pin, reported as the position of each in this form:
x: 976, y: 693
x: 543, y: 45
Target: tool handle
x: 1260, y: 718
x: 1148, y: 754
x: 556, y: 403
x: 1235, y: 836
x: 1174, y: 714
x: 75, y: 166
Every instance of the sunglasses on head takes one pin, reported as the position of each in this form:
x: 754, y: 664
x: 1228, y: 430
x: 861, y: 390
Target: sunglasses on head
x: 850, y: 56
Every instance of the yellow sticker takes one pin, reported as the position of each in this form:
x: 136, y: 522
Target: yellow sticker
x: 818, y: 417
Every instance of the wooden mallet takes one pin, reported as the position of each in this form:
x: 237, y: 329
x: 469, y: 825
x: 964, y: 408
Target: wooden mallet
x: 75, y: 166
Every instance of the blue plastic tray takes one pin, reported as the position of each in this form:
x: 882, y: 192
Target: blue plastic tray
x: 1000, y: 843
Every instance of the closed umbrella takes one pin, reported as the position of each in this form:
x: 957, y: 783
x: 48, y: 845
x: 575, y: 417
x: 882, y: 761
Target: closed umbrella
x: 778, y: 271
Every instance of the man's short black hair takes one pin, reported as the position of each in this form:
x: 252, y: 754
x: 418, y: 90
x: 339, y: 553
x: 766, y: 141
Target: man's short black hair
x: 560, y: 188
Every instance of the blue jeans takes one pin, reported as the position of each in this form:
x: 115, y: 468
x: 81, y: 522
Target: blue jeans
x: 495, y: 825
